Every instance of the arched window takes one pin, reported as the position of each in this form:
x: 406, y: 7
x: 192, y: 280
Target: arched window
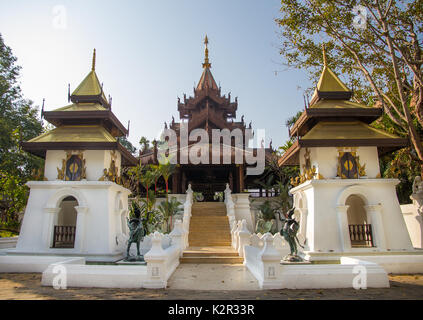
x: 358, y: 224
x: 65, y: 227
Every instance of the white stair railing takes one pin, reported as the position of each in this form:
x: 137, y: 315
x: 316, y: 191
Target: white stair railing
x: 230, y: 206
x: 187, y: 214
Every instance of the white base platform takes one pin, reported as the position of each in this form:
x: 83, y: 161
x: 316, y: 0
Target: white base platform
x: 33, y: 264
x: 329, y: 276
x: 63, y: 253
x: 98, y: 276
x: 396, y: 262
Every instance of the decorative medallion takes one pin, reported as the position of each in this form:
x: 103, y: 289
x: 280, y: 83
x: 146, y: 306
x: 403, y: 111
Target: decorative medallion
x: 73, y: 167
x: 349, y: 166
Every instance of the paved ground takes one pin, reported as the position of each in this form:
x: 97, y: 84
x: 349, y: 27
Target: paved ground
x: 213, y: 277
x: 28, y: 286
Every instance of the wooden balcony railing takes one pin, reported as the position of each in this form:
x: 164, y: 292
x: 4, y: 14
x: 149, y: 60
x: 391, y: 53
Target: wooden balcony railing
x: 361, y: 235
x: 64, y: 236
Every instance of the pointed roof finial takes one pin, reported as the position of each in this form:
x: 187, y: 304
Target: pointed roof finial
x: 93, y: 67
x: 206, y: 63
x: 324, y: 54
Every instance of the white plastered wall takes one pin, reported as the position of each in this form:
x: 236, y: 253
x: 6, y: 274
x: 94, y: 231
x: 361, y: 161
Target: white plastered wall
x: 102, y: 207
x: 95, y: 161
x: 325, y: 159
x: 327, y: 226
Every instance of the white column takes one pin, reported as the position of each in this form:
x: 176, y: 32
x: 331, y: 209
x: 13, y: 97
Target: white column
x: 375, y: 213
x: 49, y: 217
x: 80, y: 228
x: 303, y: 222
x: 344, y: 233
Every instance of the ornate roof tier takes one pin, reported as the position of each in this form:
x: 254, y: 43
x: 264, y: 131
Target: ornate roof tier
x: 90, y: 89
x: 331, y: 100
x: 77, y: 138
x: 208, y: 95
x: 86, y: 124
x: 89, y: 107
x: 332, y: 120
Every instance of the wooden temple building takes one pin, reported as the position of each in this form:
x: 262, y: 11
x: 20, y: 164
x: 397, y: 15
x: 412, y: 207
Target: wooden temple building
x: 208, y: 109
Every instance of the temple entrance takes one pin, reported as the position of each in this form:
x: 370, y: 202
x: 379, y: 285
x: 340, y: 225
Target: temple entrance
x: 208, y: 179
x: 65, y: 226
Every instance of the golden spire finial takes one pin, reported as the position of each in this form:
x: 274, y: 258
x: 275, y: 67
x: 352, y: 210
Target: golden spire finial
x: 206, y: 63
x: 93, y: 67
x: 324, y: 54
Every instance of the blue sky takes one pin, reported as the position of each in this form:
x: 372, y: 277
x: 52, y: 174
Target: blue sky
x: 151, y: 52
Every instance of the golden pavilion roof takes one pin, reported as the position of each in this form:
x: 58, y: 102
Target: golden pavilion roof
x: 90, y: 86
x: 87, y: 106
x: 330, y: 82
x: 345, y: 130
x: 338, y: 104
x: 75, y: 134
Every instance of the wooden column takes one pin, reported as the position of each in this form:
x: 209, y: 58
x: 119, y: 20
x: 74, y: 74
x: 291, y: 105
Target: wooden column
x: 241, y: 177
x: 231, y: 180
x: 176, y: 181
x: 184, y: 182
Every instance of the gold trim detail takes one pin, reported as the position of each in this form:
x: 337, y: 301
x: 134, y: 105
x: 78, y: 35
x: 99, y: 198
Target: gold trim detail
x: 111, y: 174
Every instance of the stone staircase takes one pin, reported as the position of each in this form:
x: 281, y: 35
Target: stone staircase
x: 210, y: 236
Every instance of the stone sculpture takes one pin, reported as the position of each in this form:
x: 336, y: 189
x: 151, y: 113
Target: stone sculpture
x: 137, y: 232
x: 289, y: 233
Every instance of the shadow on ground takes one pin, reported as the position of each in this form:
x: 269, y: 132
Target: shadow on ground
x: 28, y: 286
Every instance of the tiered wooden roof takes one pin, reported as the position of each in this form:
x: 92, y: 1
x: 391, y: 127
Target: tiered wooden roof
x: 332, y: 120
x: 207, y: 109
x: 86, y: 124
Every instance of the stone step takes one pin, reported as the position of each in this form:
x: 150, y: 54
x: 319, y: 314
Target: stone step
x: 201, y: 235
x: 209, y: 239
x: 208, y: 233
x: 212, y: 259
x: 209, y: 244
x: 208, y: 214
x: 210, y: 251
x: 210, y: 227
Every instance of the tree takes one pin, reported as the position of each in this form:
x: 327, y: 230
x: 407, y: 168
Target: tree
x: 19, y: 121
x: 127, y: 144
x: 147, y: 179
x: 381, y: 54
x: 166, y: 170
x: 168, y: 209
x: 145, y: 144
